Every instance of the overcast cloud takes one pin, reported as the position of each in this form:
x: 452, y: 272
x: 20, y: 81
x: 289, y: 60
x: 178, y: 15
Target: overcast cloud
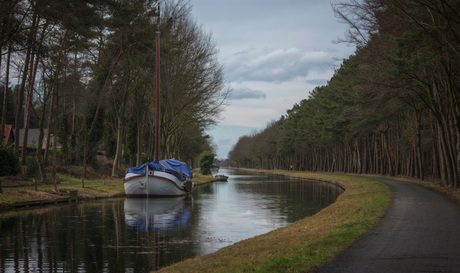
x: 246, y: 93
x: 277, y: 65
x: 274, y: 53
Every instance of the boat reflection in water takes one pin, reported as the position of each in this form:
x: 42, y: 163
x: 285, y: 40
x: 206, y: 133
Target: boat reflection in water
x: 142, y: 235
x: 160, y: 214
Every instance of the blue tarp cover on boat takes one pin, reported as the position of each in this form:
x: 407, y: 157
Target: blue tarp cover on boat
x: 173, y: 166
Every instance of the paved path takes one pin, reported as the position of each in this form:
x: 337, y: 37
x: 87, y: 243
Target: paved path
x: 420, y: 232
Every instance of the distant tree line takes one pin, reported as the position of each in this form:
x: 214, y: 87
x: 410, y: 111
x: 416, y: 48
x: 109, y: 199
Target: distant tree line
x: 393, y: 108
x: 85, y: 70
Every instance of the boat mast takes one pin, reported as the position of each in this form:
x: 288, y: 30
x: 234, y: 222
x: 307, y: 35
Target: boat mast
x: 157, y: 89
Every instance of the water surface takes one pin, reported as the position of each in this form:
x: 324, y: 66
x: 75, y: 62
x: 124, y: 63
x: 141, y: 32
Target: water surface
x: 141, y: 235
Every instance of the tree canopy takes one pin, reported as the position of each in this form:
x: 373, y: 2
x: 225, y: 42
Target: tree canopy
x: 84, y: 71
x: 391, y: 108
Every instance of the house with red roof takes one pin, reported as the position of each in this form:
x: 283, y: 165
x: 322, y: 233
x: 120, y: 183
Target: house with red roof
x: 8, y: 135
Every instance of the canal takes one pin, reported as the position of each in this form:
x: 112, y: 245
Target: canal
x: 142, y: 235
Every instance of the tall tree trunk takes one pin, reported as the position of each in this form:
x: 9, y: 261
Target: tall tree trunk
x: 420, y: 168
x: 376, y: 155
x: 382, y: 155
x: 41, y: 119
x: 104, y: 87
x: 55, y: 139
x: 453, y: 91
x: 30, y: 89
x: 39, y: 154
x: 358, y: 152
x: 20, y: 101
x: 50, y: 120
x: 445, y: 155
x: 456, y: 128
x: 139, y: 142
x: 74, y: 94
x: 85, y: 150
x: 435, y: 157
x: 74, y: 112
x: 386, y: 145
x: 5, y: 93
x: 457, y: 181
x: 54, y: 98
x: 116, y: 161
x: 27, y: 110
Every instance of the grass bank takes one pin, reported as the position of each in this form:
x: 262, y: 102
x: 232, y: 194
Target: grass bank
x: 307, y: 243
x: 20, y: 191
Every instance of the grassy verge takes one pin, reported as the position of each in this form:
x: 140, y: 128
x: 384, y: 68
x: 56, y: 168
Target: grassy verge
x: 450, y: 193
x: 307, y: 243
x: 24, y: 193
x: 199, y: 179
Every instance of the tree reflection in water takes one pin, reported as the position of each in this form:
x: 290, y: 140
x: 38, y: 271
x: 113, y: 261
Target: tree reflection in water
x: 141, y: 235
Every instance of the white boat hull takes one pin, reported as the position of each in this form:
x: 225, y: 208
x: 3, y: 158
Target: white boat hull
x: 157, y: 183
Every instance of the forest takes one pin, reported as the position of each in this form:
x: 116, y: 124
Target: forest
x: 392, y: 108
x: 83, y: 72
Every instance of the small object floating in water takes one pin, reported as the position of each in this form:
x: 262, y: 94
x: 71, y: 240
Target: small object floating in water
x: 221, y: 177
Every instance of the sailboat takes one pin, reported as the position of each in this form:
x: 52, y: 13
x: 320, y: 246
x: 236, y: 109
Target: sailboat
x: 169, y: 177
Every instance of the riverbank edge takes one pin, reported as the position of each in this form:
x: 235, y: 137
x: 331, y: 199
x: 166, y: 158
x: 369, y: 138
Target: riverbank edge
x: 307, y: 243
x: 71, y: 191
x: 292, y: 174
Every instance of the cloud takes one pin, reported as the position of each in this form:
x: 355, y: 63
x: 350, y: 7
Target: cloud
x: 224, y: 141
x: 251, y: 115
x: 246, y: 93
x: 317, y: 81
x: 274, y: 53
x: 278, y: 65
x: 226, y: 136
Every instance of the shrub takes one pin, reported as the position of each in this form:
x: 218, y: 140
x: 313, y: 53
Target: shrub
x: 32, y: 165
x: 9, y: 162
x: 206, y: 162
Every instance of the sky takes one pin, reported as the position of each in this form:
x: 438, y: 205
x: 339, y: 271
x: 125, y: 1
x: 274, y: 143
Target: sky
x: 274, y: 52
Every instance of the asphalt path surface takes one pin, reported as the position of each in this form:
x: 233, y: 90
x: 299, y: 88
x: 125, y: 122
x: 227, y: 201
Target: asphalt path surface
x: 420, y: 232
